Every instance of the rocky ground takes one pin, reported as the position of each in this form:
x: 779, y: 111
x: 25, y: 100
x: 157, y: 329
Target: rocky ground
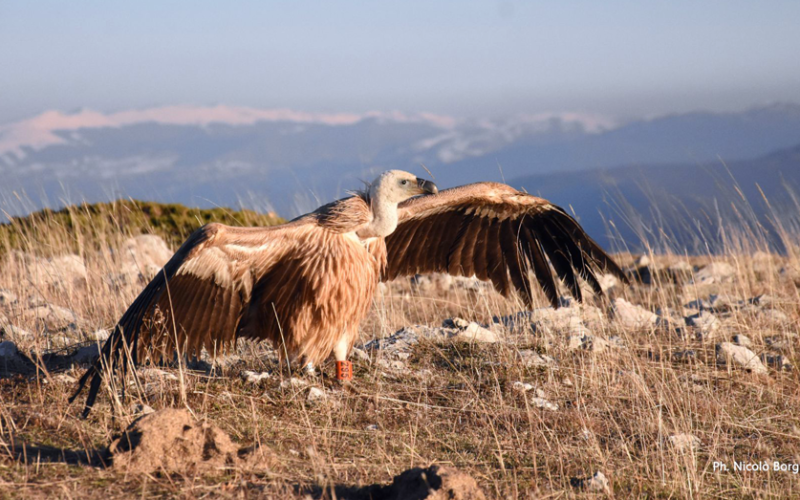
x: 458, y: 392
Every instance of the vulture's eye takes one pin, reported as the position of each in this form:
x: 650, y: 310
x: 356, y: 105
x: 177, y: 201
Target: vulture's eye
x: 404, y: 182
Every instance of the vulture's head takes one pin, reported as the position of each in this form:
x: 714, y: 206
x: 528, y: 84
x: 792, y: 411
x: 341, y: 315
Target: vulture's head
x: 395, y: 186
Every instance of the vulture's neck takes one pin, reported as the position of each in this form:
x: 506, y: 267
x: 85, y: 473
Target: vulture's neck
x: 384, y: 219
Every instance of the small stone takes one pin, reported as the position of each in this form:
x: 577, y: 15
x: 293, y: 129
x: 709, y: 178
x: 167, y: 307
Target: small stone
x: 670, y: 319
x: 156, y: 373
x: 252, y: 377
x: 100, y: 335
x: 294, y: 383
x: 598, y: 483
x: 587, y: 342
x: 617, y: 342
x: 63, y: 378
x: 315, y: 394
x: 522, y: 386
x: 543, y: 403
x: 392, y: 366
x: 607, y: 282
x: 716, y: 272
x: 742, y: 340
x: 54, y: 317
x: 723, y: 302
x: 531, y: 358
x: 360, y: 354
x: 141, y: 409
x: 402, y: 341
x: 684, y: 442
x: 632, y: 316
x: 742, y: 356
x: 476, y: 333
x: 456, y: 323
x: 706, y: 325
x: 371, y: 427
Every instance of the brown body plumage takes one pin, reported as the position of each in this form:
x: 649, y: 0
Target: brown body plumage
x: 306, y: 285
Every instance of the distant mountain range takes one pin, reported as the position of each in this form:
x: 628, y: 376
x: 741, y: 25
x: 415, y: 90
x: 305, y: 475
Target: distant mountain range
x: 291, y: 161
x: 678, y: 207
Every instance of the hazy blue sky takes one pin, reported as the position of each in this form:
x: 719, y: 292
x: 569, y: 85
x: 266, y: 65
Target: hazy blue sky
x: 465, y: 58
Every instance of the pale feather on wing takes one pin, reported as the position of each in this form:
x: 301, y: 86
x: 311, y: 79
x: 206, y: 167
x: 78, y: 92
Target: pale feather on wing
x: 498, y: 234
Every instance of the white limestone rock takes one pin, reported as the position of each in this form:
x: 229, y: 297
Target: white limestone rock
x: 142, y: 257
x: 531, y: 359
x: 316, y: 395
x: 715, y: 272
x: 476, y: 333
x: 729, y: 353
x: 706, y: 326
x: 294, y: 383
x: 53, y: 317
x: 597, y: 483
x: 568, y: 319
x: 591, y: 343
x: 64, y: 272
x: 155, y: 373
x: 255, y: 378
x: 632, y: 316
x: 540, y: 401
x: 519, y: 386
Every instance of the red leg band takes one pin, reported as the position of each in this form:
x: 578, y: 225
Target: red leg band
x: 344, y: 370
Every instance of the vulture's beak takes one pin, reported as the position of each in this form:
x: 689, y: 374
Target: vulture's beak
x: 426, y: 187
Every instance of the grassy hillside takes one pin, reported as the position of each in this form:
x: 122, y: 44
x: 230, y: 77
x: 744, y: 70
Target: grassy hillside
x: 73, y: 227
x: 643, y: 386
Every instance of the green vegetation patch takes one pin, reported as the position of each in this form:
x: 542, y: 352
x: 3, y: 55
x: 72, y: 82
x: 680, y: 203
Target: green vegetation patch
x: 75, y: 226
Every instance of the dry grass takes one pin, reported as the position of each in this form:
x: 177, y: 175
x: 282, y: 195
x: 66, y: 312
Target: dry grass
x: 454, y: 404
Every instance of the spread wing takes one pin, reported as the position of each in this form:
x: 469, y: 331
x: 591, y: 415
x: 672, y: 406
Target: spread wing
x: 496, y: 233
x: 215, y: 286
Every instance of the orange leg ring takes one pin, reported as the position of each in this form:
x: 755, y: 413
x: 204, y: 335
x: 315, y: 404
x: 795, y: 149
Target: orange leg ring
x: 344, y: 370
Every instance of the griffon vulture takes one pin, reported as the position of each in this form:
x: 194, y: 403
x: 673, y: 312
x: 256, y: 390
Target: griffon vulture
x: 307, y: 284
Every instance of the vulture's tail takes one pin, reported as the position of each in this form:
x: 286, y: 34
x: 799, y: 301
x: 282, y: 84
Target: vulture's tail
x: 121, y: 348
x: 95, y: 372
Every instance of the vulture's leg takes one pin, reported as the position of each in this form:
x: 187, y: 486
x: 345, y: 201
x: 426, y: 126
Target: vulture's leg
x: 344, y: 368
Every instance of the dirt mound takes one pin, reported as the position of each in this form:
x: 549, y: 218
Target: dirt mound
x: 433, y: 483
x: 172, y: 441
